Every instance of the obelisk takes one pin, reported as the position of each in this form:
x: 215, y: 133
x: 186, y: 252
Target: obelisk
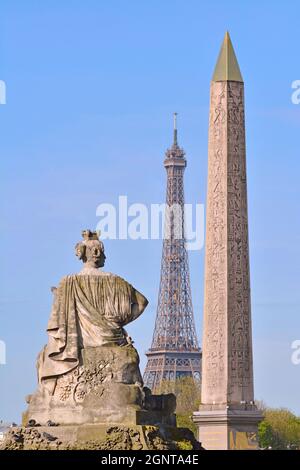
x: 228, y: 417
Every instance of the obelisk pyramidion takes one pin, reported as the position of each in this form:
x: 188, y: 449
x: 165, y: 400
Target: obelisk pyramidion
x: 227, y: 417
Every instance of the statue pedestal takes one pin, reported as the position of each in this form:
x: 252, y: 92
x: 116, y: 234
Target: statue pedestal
x: 99, y: 437
x: 227, y: 428
x: 105, y: 388
x: 100, y: 404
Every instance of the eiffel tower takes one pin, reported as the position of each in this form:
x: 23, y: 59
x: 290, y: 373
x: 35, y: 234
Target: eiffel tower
x: 174, y: 351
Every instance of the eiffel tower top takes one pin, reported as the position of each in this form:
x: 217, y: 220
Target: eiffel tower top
x: 227, y: 67
x: 175, y: 151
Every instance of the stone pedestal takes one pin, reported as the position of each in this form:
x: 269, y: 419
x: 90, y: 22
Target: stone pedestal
x: 227, y: 429
x: 99, y: 437
x: 105, y: 388
x: 100, y: 404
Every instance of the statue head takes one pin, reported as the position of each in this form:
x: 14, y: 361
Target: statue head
x: 91, y: 249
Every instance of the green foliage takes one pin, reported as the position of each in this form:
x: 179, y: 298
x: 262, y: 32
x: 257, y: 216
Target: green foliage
x: 280, y: 429
x: 187, y: 392
x: 184, y: 445
x: 185, y: 421
x: 266, y: 435
x: 188, y: 398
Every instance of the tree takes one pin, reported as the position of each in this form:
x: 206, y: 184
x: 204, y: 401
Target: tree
x: 280, y: 429
x: 266, y: 436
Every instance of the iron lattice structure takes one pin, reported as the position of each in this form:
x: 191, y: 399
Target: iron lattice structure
x: 174, y: 350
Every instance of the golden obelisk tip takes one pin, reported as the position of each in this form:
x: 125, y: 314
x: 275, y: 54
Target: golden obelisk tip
x: 227, y: 67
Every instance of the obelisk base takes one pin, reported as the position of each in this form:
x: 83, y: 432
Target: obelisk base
x: 228, y: 428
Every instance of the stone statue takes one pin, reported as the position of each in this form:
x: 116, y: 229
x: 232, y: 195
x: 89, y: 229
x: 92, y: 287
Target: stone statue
x: 89, y: 370
x: 89, y: 310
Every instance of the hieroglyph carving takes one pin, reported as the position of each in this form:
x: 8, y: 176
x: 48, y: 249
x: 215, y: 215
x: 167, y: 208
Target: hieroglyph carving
x: 227, y: 351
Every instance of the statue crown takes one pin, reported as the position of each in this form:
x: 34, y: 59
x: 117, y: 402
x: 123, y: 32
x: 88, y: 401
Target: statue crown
x: 89, y: 235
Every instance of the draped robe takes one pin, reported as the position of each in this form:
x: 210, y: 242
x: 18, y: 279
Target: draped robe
x: 88, y: 311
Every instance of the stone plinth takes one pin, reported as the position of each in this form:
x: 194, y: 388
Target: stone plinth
x: 99, y: 437
x: 222, y: 428
x: 106, y: 387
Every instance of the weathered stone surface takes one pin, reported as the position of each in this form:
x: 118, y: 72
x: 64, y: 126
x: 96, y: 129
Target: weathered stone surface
x: 222, y: 428
x: 99, y: 437
x: 106, y: 386
x: 227, y: 346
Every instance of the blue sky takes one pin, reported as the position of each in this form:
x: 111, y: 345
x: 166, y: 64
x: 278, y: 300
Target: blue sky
x: 91, y: 88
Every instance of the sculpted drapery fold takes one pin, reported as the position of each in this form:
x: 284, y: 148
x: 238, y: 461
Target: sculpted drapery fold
x: 88, y: 311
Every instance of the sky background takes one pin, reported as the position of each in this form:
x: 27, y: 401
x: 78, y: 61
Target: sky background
x: 91, y: 88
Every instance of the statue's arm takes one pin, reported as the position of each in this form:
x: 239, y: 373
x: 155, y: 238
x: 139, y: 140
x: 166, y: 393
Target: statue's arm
x: 139, y: 303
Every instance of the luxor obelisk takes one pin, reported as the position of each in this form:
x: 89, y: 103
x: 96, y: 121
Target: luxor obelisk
x: 228, y: 417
